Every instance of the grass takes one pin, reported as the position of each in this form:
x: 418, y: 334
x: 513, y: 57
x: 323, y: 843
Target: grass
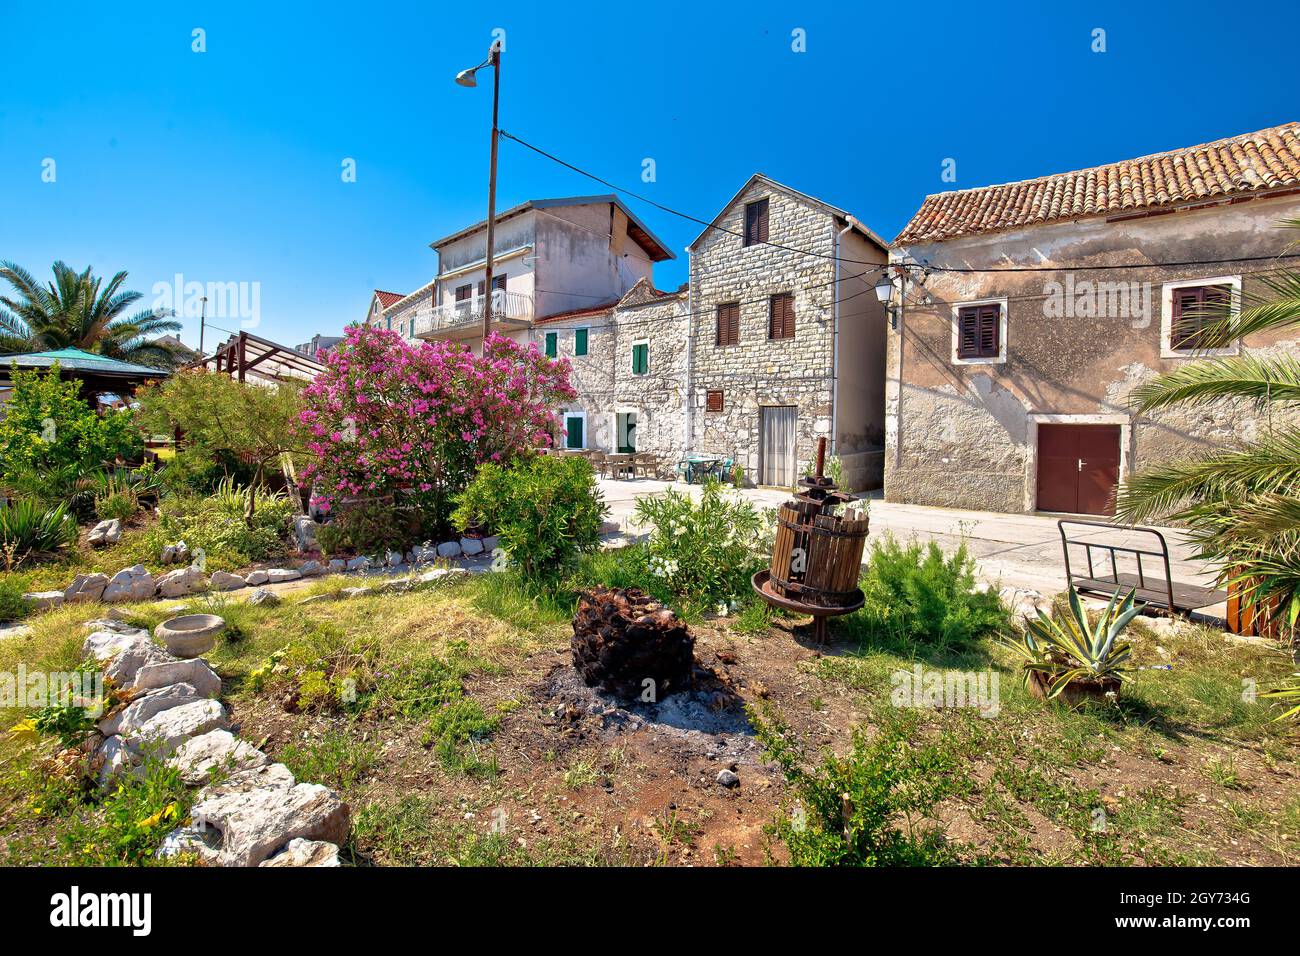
x: 336, y: 759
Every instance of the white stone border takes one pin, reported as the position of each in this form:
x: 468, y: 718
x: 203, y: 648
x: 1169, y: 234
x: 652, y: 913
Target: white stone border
x: 1002, y: 332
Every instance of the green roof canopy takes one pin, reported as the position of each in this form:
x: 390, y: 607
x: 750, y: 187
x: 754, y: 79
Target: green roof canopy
x: 78, y: 360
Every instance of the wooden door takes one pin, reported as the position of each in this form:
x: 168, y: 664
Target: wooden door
x: 1078, y: 468
x: 777, y: 437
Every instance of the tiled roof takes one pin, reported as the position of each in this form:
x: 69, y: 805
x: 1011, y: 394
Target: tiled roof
x: 386, y: 299
x: 73, y: 359
x: 1249, y: 163
x: 577, y: 313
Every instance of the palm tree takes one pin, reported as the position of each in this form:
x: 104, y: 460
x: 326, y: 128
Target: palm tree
x: 78, y: 310
x: 1241, y: 505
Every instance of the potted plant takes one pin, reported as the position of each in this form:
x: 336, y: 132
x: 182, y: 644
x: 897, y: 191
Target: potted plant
x: 1073, y: 661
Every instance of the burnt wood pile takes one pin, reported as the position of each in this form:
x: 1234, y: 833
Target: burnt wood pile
x: 624, y: 638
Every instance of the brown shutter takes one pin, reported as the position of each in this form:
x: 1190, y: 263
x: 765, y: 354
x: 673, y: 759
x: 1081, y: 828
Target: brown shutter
x: 967, y: 332
x: 989, y: 316
x: 979, y: 331
x: 756, y: 222
x: 713, y: 399
x: 780, y: 323
x: 728, y: 324
x: 1195, y: 309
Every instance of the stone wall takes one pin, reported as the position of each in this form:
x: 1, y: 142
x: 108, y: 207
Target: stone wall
x: 966, y: 435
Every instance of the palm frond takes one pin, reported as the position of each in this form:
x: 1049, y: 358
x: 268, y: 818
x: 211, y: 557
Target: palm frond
x: 1257, y: 380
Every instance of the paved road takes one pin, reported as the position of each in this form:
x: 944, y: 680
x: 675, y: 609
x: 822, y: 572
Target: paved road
x: 1020, y: 551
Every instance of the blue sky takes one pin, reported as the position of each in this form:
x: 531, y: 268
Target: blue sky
x: 225, y: 166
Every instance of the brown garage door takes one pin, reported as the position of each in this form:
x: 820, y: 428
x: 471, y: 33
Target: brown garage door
x: 1078, y: 468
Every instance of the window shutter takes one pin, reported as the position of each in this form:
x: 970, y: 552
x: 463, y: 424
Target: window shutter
x: 580, y: 342
x: 551, y: 350
x: 1195, y: 309
x: 499, y: 282
x: 780, y: 323
x: 481, y: 286
x: 463, y: 292
x: 713, y: 399
x: 979, y: 331
x: 756, y: 222
x: 640, y: 358
x: 728, y: 328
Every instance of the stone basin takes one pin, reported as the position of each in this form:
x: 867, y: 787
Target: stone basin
x: 190, y: 634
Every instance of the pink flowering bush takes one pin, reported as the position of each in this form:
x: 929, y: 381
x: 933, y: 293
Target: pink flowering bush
x: 413, y: 421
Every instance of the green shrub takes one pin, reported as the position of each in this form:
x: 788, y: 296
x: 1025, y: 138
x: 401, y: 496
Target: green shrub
x: 373, y: 527
x: 849, y: 809
x: 916, y: 594
x: 49, y: 430
x: 191, y: 471
x: 453, y: 732
x: 13, y: 606
x: 703, y: 551
x: 28, y: 527
x: 120, y: 505
x: 129, y: 823
x: 219, y: 526
x: 545, y: 508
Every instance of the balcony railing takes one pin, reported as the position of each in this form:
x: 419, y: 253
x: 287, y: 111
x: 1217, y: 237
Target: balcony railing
x: 512, y: 309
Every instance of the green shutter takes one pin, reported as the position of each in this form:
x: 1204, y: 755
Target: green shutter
x: 551, y: 350
x: 580, y: 342
x: 640, y: 359
x: 573, y: 426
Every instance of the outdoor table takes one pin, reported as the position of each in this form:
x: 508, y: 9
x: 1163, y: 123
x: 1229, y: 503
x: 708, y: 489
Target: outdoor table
x: 700, y: 464
x: 618, y: 462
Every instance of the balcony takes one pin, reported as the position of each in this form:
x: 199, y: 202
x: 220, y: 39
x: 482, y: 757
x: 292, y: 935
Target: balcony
x: 511, y: 311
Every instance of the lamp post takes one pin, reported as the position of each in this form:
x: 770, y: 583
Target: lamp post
x: 885, y: 295
x: 203, y: 317
x: 466, y: 78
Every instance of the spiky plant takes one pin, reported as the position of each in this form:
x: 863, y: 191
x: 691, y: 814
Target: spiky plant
x: 1287, y: 693
x: 78, y: 310
x: 1071, y: 649
x: 1240, y: 505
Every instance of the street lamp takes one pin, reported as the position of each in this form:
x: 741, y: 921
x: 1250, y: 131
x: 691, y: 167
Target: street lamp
x: 466, y: 78
x: 885, y: 294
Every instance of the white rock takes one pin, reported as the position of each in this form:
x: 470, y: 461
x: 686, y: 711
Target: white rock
x: 254, y: 824
x: 225, y: 581
x: 105, y: 533
x: 357, y: 592
x: 304, y: 530
x: 112, y: 623
x: 310, y: 569
x: 41, y: 600
x: 256, y: 578
x: 191, y: 839
x: 129, y: 719
x: 122, y: 655
x: 114, y: 759
x: 281, y: 575
x: 491, y: 543
x: 449, y: 549
x: 360, y: 563
x: 194, y: 672
x: 182, y: 581
x: 302, y: 852
x: 471, y: 546
x: 163, y: 733
x: 337, y: 564
x: 264, y: 776
x: 168, y: 555
x: 393, y: 558
x: 218, y: 750
x: 130, y: 584
x: 85, y: 587
x: 262, y: 596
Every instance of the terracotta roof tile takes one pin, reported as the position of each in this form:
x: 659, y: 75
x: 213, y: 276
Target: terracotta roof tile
x: 386, y: 299
x: 1268, y: 159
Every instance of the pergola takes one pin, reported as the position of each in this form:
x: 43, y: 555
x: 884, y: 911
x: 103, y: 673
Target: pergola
x: 245, y: 354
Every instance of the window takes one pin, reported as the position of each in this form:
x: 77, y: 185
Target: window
x: 728, y: 331
x: 780, y: 317
x: 979, y: 331
x: 1196, y: 309
x: 713, y: 399
x: 575, y: 429
x: 756, y: 222
x: 580, y: 342
x: 551, y: 345
x: 640, y: 358
x: 388, y: 323
x: 498, y: 282
x: 463, y: 292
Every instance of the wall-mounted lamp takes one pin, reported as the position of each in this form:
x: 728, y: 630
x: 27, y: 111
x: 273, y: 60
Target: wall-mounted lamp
x: 885, y: 294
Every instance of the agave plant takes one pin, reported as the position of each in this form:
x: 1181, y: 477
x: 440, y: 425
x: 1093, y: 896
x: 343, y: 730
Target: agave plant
x: 1287, y: 693
x: 27, y: 527
x: 1072, y: 649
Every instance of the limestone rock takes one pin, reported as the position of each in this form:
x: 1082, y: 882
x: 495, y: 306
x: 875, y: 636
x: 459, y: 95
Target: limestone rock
x: 225, y: 581
x: 254, y: 824
x: 217, y: 750
x: 449, y: 549
x: 85, y: 587
x: 311, y: 569
x: 256, y: 578
x: 122, y: 655
x: 181, y: 582
x: 105, y: 533
x: 132, y: 717
x: 130, y: 584
x: 304, y: 530
x: 302, y: 852
x: 360, y: 563
x: 41, y: 600
x: 113, y: 759
x: 263, y: 776
x: 337, y: 565
x: 191, y: 839
x: 196, y: 673
x: 491, y: 543
x: 357, y: 592
x: 161, y: 734
x: 262, y: 596
x: 471, y: 546
x: 393, y: 558
x: 281, y: 575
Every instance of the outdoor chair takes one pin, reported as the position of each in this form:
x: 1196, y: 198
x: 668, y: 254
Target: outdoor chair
x: 599, y: 463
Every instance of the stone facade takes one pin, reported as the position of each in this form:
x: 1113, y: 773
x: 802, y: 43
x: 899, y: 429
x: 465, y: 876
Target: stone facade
x: 966, y: 435
x: 804, y: 371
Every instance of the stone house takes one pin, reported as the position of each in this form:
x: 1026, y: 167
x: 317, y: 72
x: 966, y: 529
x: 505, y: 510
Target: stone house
x: 628, y: 361
x: 786, y: 339
x: 1030, y: 311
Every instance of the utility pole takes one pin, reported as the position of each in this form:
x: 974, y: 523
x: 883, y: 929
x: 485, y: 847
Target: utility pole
x: 495, y: 59
x: 203, y: 317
